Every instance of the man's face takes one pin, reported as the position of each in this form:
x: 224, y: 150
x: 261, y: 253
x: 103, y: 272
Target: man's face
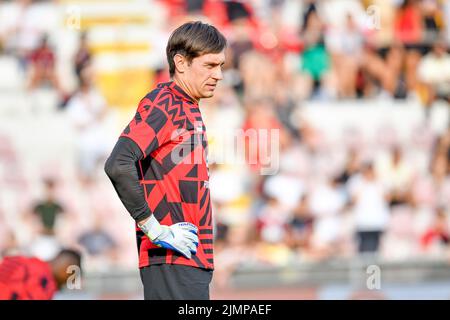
x: 203, y: 74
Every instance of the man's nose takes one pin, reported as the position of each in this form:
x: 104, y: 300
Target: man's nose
x: 217, y: 75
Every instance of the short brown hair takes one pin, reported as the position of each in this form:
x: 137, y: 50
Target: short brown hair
x: 192, y: 40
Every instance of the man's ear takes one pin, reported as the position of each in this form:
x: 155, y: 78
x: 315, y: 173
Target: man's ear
x: 180, y: 63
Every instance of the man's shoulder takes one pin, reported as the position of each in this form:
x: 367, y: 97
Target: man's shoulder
x: 153, y: 95
x: 16, y: 267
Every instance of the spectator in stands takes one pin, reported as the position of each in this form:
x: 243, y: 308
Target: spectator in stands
x: 432, y: 15
x: 345, y: 46
x: 396, y: 174
x: 327, y: 202
x: 9, y: 245
x: 370, y: 207
x: 240, y: 43
x: 409, y: 31
x: 20, y: 29
x: 441, y: 180
x: 43, y: 67
x: 221, y: 227
x: 49, y: 208
x: 351, y: 168
x: 384, y: 67
x: 440, y: 170
x: 241, y: 40
x: 83, y: 56
x: 299, y: 226
x: 8, y: 240
x: 438, y: 234
x: 260, y: 120
x: 272, y: 221
x: 99, y: 244
x: 315, y: 59
x: 432, y: 188
x: 257, y: 73
x: 285, y: 105
x: 87, y: 110
x: 434, y: 74
x: 285, y: 188
x: 442, y: 145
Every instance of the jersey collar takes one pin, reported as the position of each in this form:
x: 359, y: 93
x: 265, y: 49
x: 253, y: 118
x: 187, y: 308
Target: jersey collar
x: 177, y: 90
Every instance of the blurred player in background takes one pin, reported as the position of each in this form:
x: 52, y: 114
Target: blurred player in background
x: 160, y: 172
x: 29, y: 278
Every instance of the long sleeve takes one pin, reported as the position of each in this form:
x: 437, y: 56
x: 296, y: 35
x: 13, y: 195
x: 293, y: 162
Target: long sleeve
x: 121, y: 168
x: 150, y: 128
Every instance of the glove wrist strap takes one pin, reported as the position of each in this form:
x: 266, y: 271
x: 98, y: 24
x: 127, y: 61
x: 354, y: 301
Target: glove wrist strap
x: 151, y: 228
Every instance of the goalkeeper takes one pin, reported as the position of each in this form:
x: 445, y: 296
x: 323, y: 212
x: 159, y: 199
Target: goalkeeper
x: 160, y: 171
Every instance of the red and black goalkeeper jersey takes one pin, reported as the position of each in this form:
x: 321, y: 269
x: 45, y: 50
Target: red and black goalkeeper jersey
x: 23, y: 278
x: 169, y: 130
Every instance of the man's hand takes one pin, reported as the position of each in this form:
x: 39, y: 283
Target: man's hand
x: 180, y: 237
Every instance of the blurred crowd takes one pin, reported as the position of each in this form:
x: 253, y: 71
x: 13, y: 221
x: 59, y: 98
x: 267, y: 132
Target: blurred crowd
x: 388, y: 197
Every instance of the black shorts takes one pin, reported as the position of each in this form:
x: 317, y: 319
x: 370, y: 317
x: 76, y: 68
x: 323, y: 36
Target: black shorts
x: 369, y: 241
x: 175, y: 282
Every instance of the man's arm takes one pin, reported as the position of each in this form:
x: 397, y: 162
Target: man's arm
x: 121, y: 169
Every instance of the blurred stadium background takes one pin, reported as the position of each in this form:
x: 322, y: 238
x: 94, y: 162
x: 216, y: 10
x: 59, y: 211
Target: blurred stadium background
x: 358, y: 89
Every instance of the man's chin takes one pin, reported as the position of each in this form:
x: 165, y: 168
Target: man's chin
x: 208, y: 94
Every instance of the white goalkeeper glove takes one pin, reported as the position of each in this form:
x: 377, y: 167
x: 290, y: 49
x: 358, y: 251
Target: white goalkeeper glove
x: 180, y: 237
